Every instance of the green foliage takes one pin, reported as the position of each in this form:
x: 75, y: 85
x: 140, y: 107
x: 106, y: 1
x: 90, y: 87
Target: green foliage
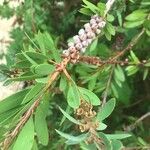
x: 70, y: 106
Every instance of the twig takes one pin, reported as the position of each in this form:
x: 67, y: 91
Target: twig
x: 130, y: 45
x: 107, y: 86
x: 132, y: 126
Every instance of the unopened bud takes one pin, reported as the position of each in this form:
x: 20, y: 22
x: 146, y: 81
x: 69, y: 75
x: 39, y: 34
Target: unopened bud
x: 66, y: 52
x: 92, y: 21
x: 76, y: 39
x: 78, y: 46
x: 70, y: 44
x: 83, y: 37
x: 98, y: 31
x: 81, y: 32
x: 85, y: 43
x: 102, y: 24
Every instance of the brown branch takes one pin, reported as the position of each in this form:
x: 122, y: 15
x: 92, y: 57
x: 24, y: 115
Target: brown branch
x: 108, y: 86
x: 98, y: 62
x: 11, y: 136
x: 133, y: 126
x: 130, y: 45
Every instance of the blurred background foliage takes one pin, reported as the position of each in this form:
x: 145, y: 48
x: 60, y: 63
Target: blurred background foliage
x: 62, y: 20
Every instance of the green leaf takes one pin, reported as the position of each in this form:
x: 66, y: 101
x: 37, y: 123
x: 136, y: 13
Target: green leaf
x: 51, y: 45
x: 25, y: 138
x: 106, y: 141
x: 134, y: 57
x: 69, y: 117
x: 40, y: 121
x: 133, y: 24
x: 73, y: 97
x: 89, y: 96
x: 43, y: 69
x: 93, y: 45
x: 119, y: 74
x: 12, y: 101
x: 101, y: 8
x: 136, y: 15
x: 106, y: 110
x: 131, y: 70
x: 102, y: 126
x: 116, y: 144
x: 110, y: 18
x: 33, y: 92
x: 91, y: 6
x: 86, y: 11
x: 78, y: 139
x: 40, y: 39
x: 29, y: 59
x: 110, y: 28
x: 119, y: 18
x: 145, y: 73
x: 117, y: 136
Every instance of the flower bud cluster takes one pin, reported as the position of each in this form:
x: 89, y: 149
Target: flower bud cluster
x: 85, y: 36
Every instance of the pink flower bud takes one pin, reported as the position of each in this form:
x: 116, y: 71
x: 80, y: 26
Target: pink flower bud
x: 83, y: 37
x: 102, y: 24
x: 78, y: 46
x: 98, y: 31
x: 92, y: 21
x: 66, y: 52
x: 94, y: 27
x: 87, y: 25
x: 81, y: 31
x: 94, y: 16
x: 91, y: 35
x: 72, y: 49
x: 76, y: 39
x: 70, y: 44
x: 98, y: 20
x: 89, y: 41
x: 83, y: 50
x: 85, y: 43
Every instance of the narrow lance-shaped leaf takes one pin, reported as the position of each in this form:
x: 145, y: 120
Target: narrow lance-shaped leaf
x: 89, y: 96
x: 73, y: 97
x: 79, y: 138
x: 118, y: 136
x: 25, y: 138
x: 106, y: 110
x: 12, y: 101
x: 33, y: 92
x: 69, y: 117
x: 40, y: 121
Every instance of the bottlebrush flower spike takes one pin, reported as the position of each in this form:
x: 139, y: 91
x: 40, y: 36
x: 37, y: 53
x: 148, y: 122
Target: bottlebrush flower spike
x: 85, y: 36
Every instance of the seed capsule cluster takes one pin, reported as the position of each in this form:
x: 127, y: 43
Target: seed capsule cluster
x: 84, y: 38
x: 85, y: 114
